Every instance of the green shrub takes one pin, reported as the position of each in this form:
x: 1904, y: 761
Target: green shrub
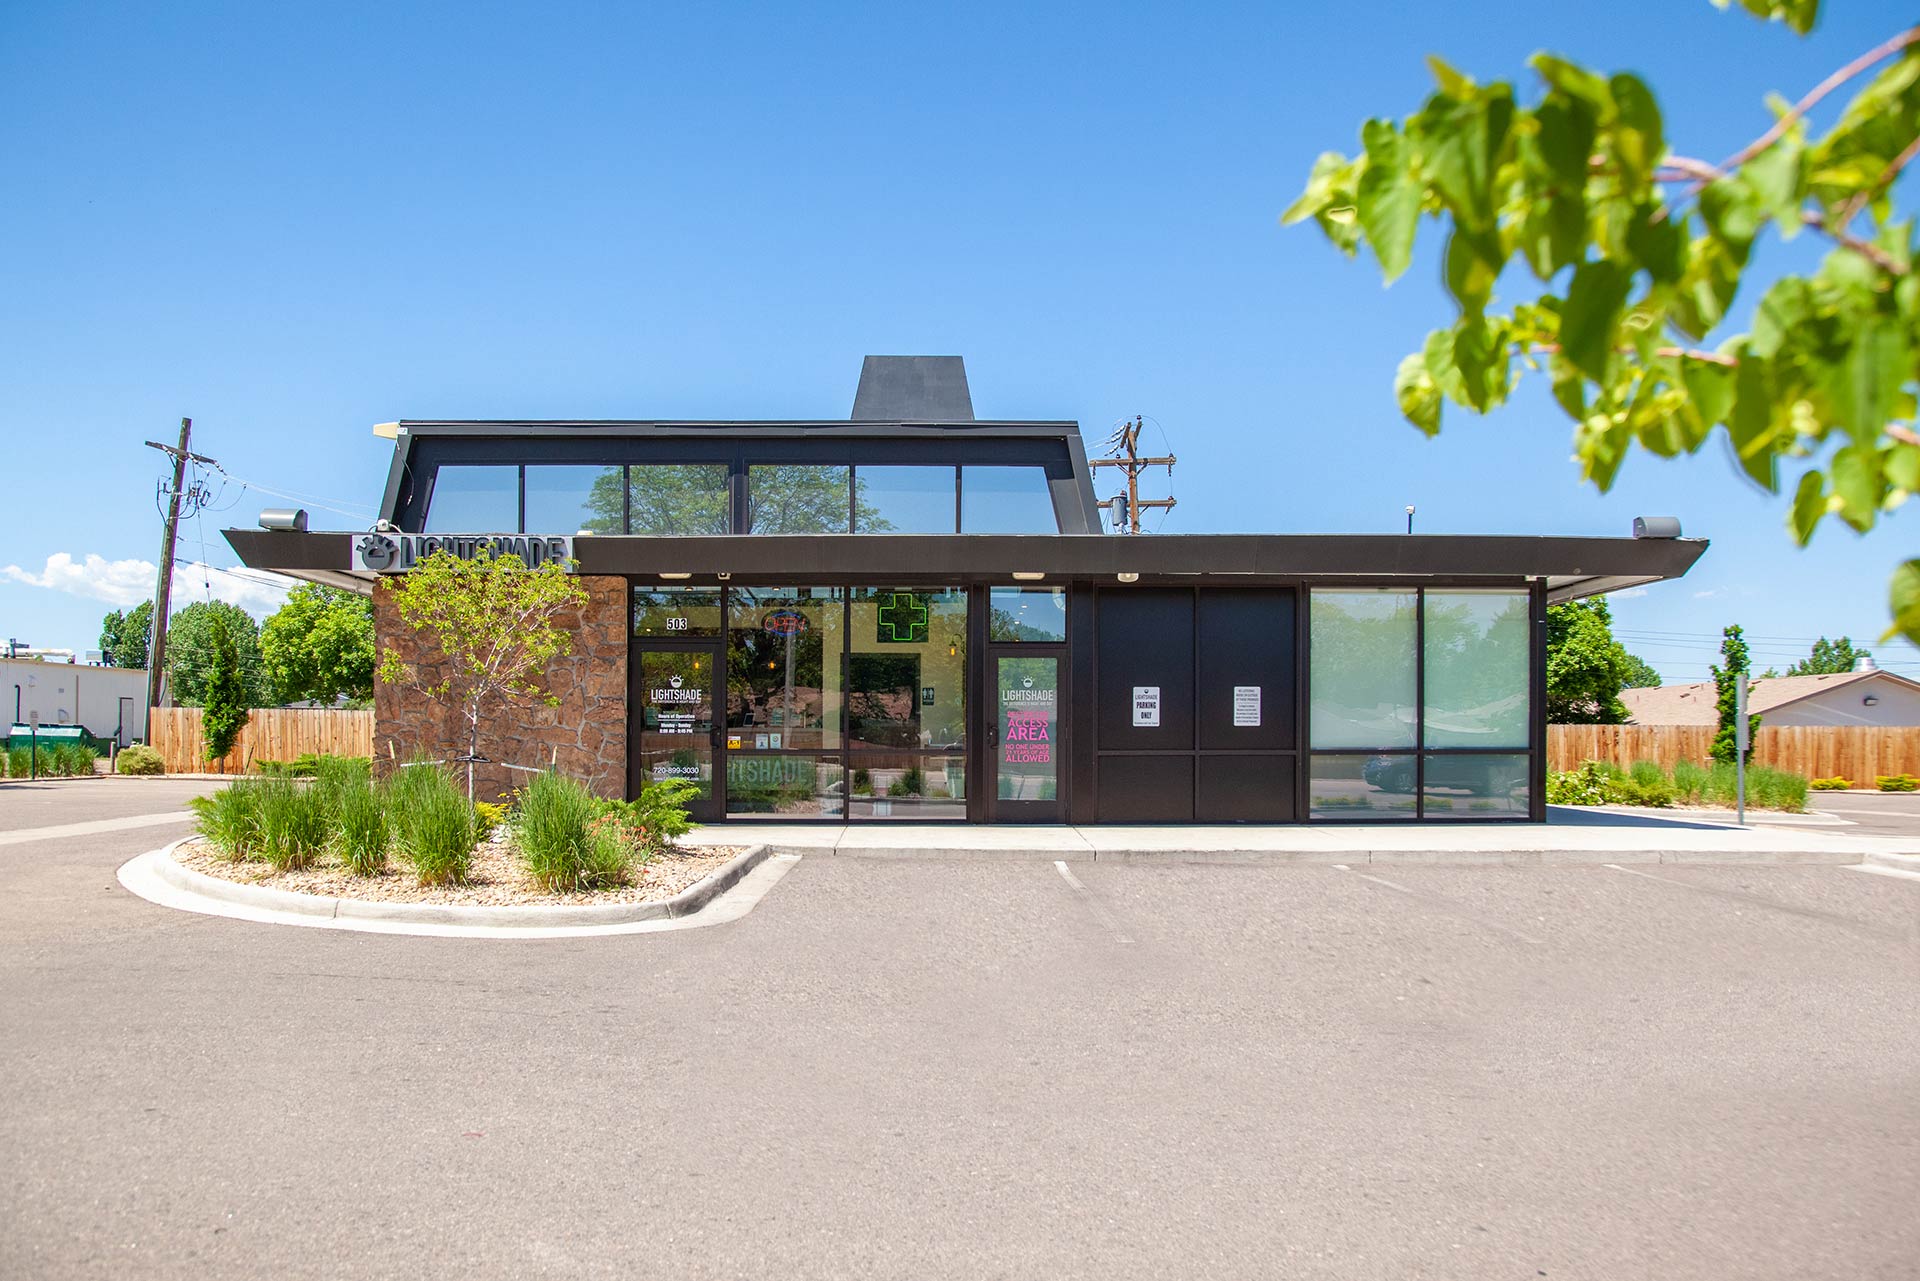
x: 359, y: 814
x: 140, y: 759
x: 434, y: 828
x: 862, y: 783
x: 1834, y: 784
x: 659, y: 814
x: 72, y: 760
x: 1896, y: 782
x: 293, y: 823
x: 1689, y: 777
x: 229, y: 819
x: 553, y: 828
x: 910, y: 783
x: 1584, y: 786
x: 1776, y: 789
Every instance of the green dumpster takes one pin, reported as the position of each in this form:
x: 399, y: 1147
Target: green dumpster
x: 51, y: 736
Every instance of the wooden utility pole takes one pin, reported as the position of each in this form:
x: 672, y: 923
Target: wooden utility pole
x: 157, y: 650
x: 1126, y: 441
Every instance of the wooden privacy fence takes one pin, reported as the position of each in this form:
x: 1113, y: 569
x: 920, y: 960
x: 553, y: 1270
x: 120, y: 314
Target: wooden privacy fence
x: 1854, y: 752
x: 271, y: 734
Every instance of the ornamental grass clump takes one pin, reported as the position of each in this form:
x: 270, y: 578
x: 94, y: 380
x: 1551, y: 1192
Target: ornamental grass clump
x: 139, y: 759
x: 434, y: 827
x: 229, y: 819
x: 362, y: 830
x: 558, y: 838
x: 293, y: 824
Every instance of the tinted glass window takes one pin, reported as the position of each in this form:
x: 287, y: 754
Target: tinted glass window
x: 907, y: 673
x: 1006, y: 500
x: 797, y: 498
x: 903, y: 500
x: 1364, y: 652
x: 475, y: 500
x: 1477, y: 683
x: 1027, y: 614
x: 676, y: 611
x: 565, y: 500
x: 783, y: 667
x: 678, y: 500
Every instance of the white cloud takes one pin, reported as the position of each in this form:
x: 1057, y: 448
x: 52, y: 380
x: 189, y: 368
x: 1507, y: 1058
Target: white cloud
x: 1709, y: 593
x: 125, y: 583
x: 1630, y: 593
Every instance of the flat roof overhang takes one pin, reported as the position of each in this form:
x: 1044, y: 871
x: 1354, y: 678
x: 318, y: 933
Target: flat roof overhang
x: 1571, y: 567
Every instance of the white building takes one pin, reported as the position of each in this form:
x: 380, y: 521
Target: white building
x: 1863, y: 696
x: 111, y: 702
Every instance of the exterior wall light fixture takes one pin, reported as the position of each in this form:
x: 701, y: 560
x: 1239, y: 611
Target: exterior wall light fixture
x: 1871, y: 700
x: 1027, y: 576
x: 675, y: 577
x: 723, y: 575
x: 1127, y: 577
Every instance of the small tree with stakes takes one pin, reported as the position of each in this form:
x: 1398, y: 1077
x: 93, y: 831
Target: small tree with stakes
x: 492, y: 621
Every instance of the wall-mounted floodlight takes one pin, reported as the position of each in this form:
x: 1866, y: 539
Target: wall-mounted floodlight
x: 288, y: 519
x: 387, y: 431
x: 1127, y: 577
x: 1871, y: 700
x: 1656, y: 527
x: 1027, y: 576
x: 723, y: 575
x: 675, y: 577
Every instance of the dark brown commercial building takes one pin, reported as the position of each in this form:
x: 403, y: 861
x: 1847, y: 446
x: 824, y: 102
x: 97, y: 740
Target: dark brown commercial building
x: 912, y: 614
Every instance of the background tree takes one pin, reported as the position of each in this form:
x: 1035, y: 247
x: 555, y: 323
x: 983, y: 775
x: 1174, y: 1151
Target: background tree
x: 1636, y: 254
x: 1829, y: 658
x: 319, y: 646
x: 225, y: 694
x: 1726, y: 682
x: 1638, y: 675
x: 124, y: 636
x: 191, y: 657
x: 489, y: 625
x: 1586, y: 667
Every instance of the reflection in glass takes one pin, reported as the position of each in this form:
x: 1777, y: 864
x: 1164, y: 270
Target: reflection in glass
x: 1363, y: 668
x: 1477, y: 682
x: 676, y: 611
x: 1475, y: 786
x: 903, y: 500
x: 1373, y: 788
x: 679, y: 500
x: 474, y: 500
x: 906, y: 674
x: 676, y: 718
x: 1027, y: 708
x: 783, y: 666
x: 911, y: 787
x: 797, y: 498
x: 1027, y: 614
x: 565, y: 500
x: 790, y: 786
x: 1006, y: 500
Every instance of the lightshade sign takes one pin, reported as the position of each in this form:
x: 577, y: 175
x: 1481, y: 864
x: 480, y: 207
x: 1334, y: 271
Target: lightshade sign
x: 398, y: 553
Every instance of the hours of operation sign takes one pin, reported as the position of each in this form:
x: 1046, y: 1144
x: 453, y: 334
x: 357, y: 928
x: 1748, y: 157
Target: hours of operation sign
x: 1246, y: 705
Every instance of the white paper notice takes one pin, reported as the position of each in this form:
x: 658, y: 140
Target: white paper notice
x: 1146, y: 705
x: 1246, y: 705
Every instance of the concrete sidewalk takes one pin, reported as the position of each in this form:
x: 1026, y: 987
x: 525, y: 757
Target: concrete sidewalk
x: 1567, y: 837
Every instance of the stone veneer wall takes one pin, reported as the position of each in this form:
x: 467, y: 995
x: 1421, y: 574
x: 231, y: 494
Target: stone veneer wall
x: 588, y: 728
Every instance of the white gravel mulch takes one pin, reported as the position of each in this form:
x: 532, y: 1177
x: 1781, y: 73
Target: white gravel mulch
x: 498, y: 878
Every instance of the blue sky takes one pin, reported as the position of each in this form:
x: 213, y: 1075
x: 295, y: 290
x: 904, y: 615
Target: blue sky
x: 293, y: 222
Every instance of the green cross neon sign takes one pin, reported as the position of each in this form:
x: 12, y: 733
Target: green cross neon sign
x: 902, y: 620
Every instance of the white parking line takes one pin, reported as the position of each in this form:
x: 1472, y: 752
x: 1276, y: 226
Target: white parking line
x: 93, y: 828
x: 1444, y: 903
x: 1107, y: 918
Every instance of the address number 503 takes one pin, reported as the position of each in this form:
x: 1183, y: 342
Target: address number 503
x: 676, y: 624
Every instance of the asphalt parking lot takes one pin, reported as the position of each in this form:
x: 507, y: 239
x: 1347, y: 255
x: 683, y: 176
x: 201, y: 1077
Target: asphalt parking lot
x: 1872, y: 813
x: 914, y: 1069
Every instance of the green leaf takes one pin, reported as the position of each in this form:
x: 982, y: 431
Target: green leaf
x: 1569, y: 389
x: 1797, y: 14
x: 1777, y: 178
x: 1480, y: 355
x: 1710, y: 389
x: 1857, y: 484
x: 1438, y: 353
x: 1461, y: 143
x: 1781, y: 314
x: 1452, y: 82
x: 1876, y: 365
x: 1571, y: 78
x: 1901, y: 462
x: 1809, y: 505
x: 1903, y: 598
x: 1470, y: 274
x: 1731, y: 211
x: 1638, y: 141
x: 1590, y: 319
x: 1388, y: 197
x: 1657, y: 244
x: 1564, y: 137
x: 1419, y: 397
x: 1329, y: 177
x: 1750, y: 425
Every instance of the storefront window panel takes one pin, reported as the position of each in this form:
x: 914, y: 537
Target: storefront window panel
x: 679, y: 500
x: 1027, y: 614
x: 903, y: 500
x: 784, y: 647
x: 1375, y: 788
x: 1365, y: 652
x: 475, y: 500
x: 1477, y: 680
x: 790, y: 786
x: 1469, y: 785
x: 797, y: 498
x: 1027, y: 712
x: 565, y: 500
x: 917, y: 787
x: 676, y: 611
x: 1006, y: 500
x: 906, y: 673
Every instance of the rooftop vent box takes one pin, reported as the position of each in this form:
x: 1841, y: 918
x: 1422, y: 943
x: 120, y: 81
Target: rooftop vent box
x: 913, y: 389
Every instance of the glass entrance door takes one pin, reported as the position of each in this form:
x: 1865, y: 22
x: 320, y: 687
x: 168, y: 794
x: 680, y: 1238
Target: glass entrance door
x: 678, y: 733
x: 1023, y: 742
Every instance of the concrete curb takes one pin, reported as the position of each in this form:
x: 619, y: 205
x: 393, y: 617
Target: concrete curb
x: 1905, y: 862
x: 685, y: 903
